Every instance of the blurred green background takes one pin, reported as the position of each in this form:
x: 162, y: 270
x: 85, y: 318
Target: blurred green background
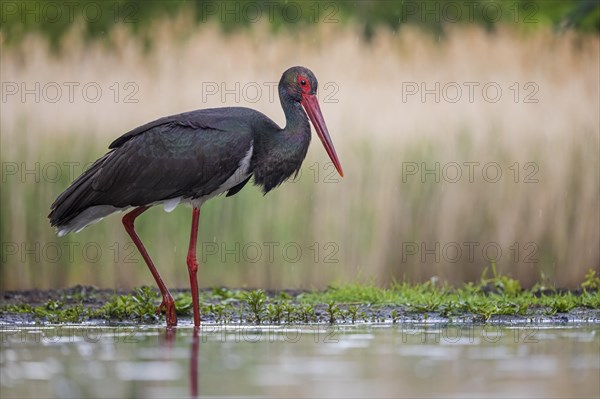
x: 468, y: 132
x: 54, y: 19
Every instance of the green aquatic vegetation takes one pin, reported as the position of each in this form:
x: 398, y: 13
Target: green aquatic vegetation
x: 17, y: 309
x: 592, y: 281
x: 52, y: 311
x: 144, y: 302
x: 141, y: 306
x: 363, y: 316
x: 333, y: 310
x: 306, y: 313
x: 352, y: 312
x: 290, y: 312
x: 499, y: 282
x: 590, y: 300
x: 274, y: 312
x: 115, y: 308
x: 54, y: 305
x: 495, y: 295
x: 218, y: 311
x: 256, y: 301
x: 562, y: 303
x: 183, y: 304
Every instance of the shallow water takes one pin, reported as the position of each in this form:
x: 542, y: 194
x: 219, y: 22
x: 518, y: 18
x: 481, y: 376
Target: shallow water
x: 300, y: 361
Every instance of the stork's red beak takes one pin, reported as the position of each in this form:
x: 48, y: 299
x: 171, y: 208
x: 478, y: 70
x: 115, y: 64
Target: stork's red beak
x: 311, y: 105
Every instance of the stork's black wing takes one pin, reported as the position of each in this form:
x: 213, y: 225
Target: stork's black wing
x: 187, y: 155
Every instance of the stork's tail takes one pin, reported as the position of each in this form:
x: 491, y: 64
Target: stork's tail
x: 75, y: 208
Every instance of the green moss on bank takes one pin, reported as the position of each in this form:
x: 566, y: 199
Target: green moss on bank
x: 493, y: 296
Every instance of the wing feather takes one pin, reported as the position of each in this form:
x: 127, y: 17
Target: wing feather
x: 189, y: 155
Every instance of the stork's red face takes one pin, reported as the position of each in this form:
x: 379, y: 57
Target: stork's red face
x: 311, y: 105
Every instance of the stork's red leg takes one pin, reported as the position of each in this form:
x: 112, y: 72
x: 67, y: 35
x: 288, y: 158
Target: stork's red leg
x: 167, y: 302
x: 192, y: 264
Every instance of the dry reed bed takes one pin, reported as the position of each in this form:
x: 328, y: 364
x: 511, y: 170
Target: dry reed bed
x: 373, y: 216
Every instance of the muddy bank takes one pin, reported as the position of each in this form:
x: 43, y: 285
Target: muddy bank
x: 81, y: 304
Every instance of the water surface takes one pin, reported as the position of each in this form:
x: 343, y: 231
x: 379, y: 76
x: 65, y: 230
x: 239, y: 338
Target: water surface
x: 300, y: 361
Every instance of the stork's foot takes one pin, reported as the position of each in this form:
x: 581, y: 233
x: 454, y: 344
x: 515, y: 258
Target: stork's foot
x: 168, y: 305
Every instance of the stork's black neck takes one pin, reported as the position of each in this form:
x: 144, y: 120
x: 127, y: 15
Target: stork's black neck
x: 279, y: 154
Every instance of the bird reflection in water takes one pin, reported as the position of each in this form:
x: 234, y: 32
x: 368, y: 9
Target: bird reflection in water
x: 169, y: 343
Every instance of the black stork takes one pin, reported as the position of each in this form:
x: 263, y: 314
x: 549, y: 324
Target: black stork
x: 190, y: 158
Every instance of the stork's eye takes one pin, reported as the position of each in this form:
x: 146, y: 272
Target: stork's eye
x: 304, y: 83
